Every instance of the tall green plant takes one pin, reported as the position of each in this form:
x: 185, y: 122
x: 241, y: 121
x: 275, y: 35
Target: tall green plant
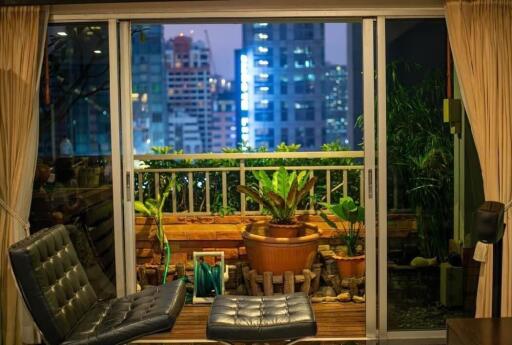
x: 281, y: 194
x: 348, y: 212
x: 154, y: 208
x: 420, y: 153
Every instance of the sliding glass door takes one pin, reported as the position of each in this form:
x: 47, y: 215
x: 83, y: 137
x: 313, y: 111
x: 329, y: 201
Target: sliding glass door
x: 426, y: 263
x: 76, y: 166
x: 206, y: 105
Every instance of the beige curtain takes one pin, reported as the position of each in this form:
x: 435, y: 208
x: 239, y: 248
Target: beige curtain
x: 481, y: 38
x: 22, y: 33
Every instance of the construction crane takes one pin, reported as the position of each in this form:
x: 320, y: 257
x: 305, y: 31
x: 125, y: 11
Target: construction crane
x: 212, y: 63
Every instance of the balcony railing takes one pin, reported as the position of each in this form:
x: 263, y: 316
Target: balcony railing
x: 207, y: 182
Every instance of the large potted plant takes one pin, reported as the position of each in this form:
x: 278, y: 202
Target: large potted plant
x: 283, y: 243
x: 153, y: 208
x: 352, y: 263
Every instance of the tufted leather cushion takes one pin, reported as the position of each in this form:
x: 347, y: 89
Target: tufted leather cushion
x: 52, y: 281
x: 64, y: 305
x: 118, y: 321
x: 100, y: 282
x: 253, y: 318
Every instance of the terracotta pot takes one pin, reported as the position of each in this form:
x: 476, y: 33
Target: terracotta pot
x: 284, y: 230
x: 351, y: 266
x: 278, y: 255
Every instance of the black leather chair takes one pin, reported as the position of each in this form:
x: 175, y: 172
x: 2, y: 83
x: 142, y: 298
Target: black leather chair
x: 252, y: 319
x: 65, y: 307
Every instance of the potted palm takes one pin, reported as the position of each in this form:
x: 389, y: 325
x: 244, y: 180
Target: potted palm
x: 280, y: 196
x: 283, y: 243
x: 351, y: 263
x: 153, y: 208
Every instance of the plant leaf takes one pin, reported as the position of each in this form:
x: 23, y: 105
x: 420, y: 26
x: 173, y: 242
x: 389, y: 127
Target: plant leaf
x: 302, y: 179
x: 141, y: 208
x: 152, y: 205
x: 263, y: 178
x: 280, y: 182
x: 329, y: 222
x: 307, y: 187
x: 291, y: 201
x: 253, y: 193
x: 276, y: 199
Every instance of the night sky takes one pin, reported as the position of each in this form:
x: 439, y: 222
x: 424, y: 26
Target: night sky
x: 225, y: 38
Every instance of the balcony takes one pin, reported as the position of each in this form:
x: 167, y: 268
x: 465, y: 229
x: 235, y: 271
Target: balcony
x: 204, y: 189
x: 205, y: 213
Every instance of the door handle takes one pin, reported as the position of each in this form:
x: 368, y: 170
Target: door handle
x: 128, y: 186
x: 370, y: 183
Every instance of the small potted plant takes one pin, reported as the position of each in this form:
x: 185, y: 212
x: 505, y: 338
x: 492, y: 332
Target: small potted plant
x: 280, y: 196
x: 283, y: 243
x: 351, y: 263
x: 153, y: 208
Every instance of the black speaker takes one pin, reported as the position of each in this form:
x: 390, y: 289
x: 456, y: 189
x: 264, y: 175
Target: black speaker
x: 490, y: 222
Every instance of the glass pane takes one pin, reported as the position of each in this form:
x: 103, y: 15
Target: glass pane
x: 254, y: 88
x: 73, y: 182
x: 428, y: 281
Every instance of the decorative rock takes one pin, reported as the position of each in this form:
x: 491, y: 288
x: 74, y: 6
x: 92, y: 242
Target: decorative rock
x: 344, y: 297
x: 359, y: 299
x: 341, y: 250
x: 316, y: 299
x: 324, y: 247
x: 327, y: 254
x: 330, y: 299
x: 328, y: 291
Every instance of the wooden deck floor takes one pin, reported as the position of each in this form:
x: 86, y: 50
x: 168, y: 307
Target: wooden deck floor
x: 334, y: 320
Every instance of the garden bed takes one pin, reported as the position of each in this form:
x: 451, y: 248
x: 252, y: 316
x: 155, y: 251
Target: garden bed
x: 187, y: 234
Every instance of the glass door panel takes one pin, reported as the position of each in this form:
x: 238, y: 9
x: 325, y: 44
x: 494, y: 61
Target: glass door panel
x: 73, y: 181
x: 427, y: 280
x: 203, y: 98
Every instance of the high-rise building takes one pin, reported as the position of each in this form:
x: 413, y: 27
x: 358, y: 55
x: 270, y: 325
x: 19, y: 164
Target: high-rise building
x: 183, y: 132
x: 78, y: 121
x: 280, y: 70
x: 149, y: 91
x: 188, y: 91
x: 223, y: 130
x: 335, y: 104
x: 354, y: 83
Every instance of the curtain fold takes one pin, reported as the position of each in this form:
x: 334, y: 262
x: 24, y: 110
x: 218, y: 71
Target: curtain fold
x: 480, y: 34
x: 22, y: 37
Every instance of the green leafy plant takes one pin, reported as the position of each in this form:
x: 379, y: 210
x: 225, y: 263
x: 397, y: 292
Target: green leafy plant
x: 348, y: 212
x: 154, y: 208
x: 147, y: 183
x: 421, y: 172
x: 281, y: 194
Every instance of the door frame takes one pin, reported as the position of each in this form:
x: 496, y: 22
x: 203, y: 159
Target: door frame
x: 382, y: 203
x: 127, y: 151
x: 368, y: 69
x: 369, y: 175
x: 121, y: 128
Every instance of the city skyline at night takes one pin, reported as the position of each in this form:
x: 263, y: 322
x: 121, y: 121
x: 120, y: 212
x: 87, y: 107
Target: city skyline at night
x: 303, y: 98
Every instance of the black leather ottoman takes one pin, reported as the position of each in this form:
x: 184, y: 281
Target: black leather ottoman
x: 253, y: 318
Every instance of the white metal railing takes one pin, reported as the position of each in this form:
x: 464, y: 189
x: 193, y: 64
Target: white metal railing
x: 241, y: 168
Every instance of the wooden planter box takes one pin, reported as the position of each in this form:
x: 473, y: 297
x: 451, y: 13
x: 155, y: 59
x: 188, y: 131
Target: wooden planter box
x: 187, y: 234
